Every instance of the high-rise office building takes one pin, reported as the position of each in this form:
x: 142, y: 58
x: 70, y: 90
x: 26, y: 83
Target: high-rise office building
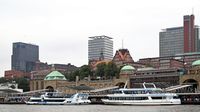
x: 171, y: 41
x: 179, y: 40
x: 100, y: 48
x: 24, y: 56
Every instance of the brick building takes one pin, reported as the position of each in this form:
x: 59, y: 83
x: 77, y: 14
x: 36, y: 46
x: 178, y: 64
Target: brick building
x: 10, y: 74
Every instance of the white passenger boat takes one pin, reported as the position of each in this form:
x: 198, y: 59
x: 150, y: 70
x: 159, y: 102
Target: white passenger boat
x: 142, y: 96
x: 52, y: 98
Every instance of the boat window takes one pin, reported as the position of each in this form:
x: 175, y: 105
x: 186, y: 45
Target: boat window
x: 175, y: 97
x: 128, y: 98
x: 35, y: 100
x: 157, y: 97
x: 69, y: 101
x: 141, y: 98
x: 58, y: 100
x: 118, y: 92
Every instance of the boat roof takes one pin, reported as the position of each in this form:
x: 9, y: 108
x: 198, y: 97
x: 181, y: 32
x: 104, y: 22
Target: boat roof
x: 139, y: 89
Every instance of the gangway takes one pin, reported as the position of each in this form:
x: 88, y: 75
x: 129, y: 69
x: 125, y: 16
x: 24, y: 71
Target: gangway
x: 171, y: 88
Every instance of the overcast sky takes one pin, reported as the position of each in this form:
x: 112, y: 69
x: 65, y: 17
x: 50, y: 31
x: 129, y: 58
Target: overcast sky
x: 61, y: 27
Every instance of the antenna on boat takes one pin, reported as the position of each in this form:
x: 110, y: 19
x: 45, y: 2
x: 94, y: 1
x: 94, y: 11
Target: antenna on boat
x: 125, y: 84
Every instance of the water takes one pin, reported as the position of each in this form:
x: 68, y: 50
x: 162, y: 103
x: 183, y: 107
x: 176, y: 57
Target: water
x: 98, y: 108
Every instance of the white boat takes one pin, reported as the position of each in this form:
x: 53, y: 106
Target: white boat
x: 142, y: 96
x: 52, y: 98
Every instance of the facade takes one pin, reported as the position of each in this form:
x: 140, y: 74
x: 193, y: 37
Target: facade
x: 171, y: 41
x: 24, y: 56
x: 10, y: 74
x: 179, y: 40
x: 54, y: 80
x: 190, y: 42
x: 192, y: 77
x: 100, y: 48
x: 184, y: 60
x: 162, y: 78
x: 123, y: 57
x: 43, y: 69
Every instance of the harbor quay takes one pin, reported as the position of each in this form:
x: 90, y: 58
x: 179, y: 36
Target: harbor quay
x: 167, y: 73
x: 187, y: 87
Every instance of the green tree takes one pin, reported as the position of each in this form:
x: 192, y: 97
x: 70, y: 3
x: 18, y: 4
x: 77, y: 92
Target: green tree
x: 23, y: 83
x: 111, y: 70
x: 100, y: 71
x: 84, y: 71
x: 72, y: 76
x: 3, y: 80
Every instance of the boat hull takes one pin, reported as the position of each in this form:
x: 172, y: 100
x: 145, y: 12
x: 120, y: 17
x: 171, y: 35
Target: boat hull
x: 147, y: 102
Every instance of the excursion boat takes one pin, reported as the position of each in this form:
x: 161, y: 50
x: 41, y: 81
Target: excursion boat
x: 53, y: 98
x: 142, y: 96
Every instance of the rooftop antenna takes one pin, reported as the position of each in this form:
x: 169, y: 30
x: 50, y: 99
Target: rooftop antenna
x: 192, y: 10
x: 122, y: 43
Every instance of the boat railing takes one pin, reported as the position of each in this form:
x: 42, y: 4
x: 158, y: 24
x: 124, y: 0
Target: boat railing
x: 151, y: 84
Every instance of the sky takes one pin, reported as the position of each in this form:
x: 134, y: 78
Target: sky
x: 61, y: 27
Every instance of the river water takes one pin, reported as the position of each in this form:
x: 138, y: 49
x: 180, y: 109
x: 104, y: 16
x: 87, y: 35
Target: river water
x: 98, y: 108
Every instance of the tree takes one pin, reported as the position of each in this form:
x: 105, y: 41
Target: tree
x: 23, y: 83
x: 100, y: 71
x: 3, y: 80
x: 72, y: 76
x: 85, y: 71
x: 107, y: 71
x: 111, y: 70
x: 82, y: 72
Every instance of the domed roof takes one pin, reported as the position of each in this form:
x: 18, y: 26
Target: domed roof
x: 127, y: 68
x: 55, y: 75
x: 196, y: 63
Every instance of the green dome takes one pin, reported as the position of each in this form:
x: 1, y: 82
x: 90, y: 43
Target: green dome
x: 55, y: 75
x: 196, y: 63
x: 127, y: 68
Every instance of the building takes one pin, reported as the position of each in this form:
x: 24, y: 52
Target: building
x: 190, y: 41
x: 10, y: 74
x: 163, y: 78
x: 43, y: 69
x: 100, y: 48
x: 55, y: 80
x: 24, y: 56
x: 179, y: 40
x: 123, y: 57
x: 192, y: 77
x: 184, y: 60
x: 171, y: 41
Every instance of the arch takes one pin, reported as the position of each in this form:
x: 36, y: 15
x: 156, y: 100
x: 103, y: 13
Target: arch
x: 120, y: 84
x: 49, y: 89
x: 192, y: 82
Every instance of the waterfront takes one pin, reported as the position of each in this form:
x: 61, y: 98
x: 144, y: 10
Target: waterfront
x: 98, y: 108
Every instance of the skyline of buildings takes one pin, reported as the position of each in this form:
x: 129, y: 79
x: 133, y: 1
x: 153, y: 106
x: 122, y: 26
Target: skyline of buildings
x: 24, y: 56
x: 103, y: 45
x: 179, y: 40
x: 100, y: 48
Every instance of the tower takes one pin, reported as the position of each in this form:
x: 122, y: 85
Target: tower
x: 24, y: 56
x: 100, y: 47
x: 189, y: 34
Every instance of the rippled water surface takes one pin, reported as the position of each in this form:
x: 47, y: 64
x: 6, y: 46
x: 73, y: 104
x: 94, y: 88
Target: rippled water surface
x: 98, y: 108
